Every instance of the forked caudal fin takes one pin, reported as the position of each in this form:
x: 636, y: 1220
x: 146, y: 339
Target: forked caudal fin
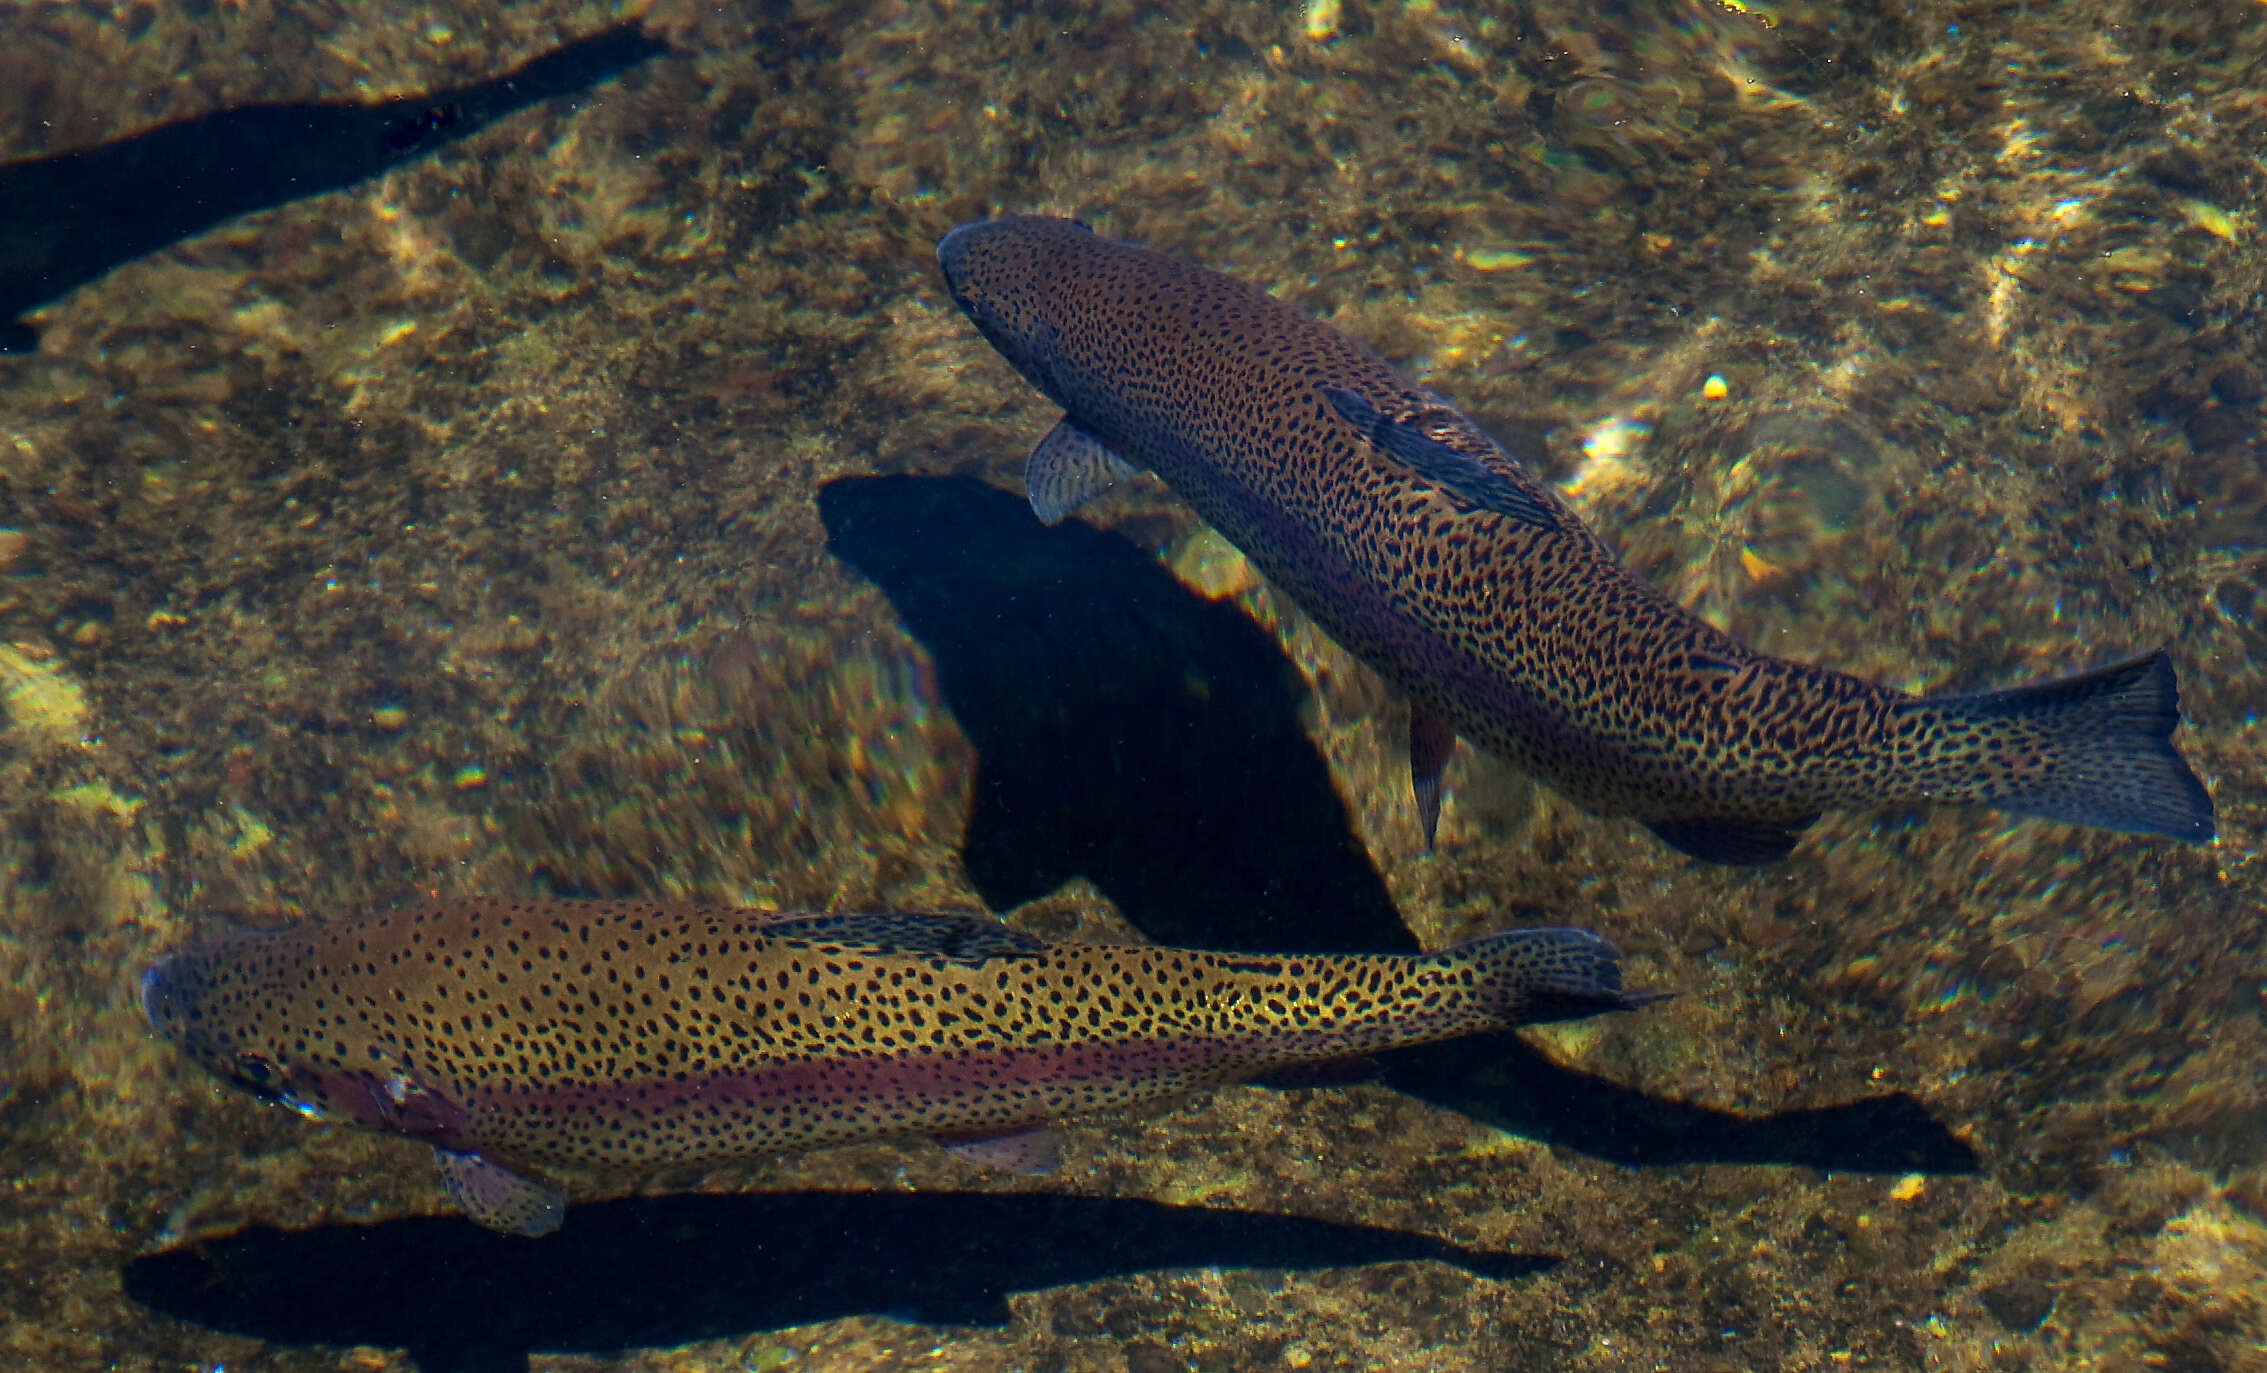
x: 2109, y: 758
x: 1552, y: 972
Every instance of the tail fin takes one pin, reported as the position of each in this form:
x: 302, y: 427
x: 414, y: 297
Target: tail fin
x: 1552, y: 972
x: 2109, y: 762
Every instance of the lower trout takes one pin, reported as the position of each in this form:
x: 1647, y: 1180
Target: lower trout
x: 519, y: 1037
x: 1428, y: 551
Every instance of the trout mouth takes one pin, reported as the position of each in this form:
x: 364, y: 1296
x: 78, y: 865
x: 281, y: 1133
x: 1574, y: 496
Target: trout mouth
x: 259, y: 1076
x: 153, y: 992
x: 952, y: 263
x: 953, y: 244
x: 169, y: 1001
x: 165, y: 1003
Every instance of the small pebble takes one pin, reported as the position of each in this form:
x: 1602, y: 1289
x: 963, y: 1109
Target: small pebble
x: 2234, y: 384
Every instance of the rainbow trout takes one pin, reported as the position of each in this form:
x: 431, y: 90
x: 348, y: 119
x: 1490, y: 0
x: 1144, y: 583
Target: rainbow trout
x: 1431, y: 553
x: 519, y: 1037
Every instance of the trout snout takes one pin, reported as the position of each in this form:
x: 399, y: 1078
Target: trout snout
x: 160, y: 1002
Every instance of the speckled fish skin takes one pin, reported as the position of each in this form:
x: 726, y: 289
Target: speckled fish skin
x: 628, y: 1037
x: 1431, y: 553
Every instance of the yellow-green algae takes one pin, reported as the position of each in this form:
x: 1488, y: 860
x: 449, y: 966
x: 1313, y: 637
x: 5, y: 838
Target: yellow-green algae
x: 502, y: 465
x: 39, y: 703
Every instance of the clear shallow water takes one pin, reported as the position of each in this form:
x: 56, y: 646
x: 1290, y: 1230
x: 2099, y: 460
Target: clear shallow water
x: 609, y: 500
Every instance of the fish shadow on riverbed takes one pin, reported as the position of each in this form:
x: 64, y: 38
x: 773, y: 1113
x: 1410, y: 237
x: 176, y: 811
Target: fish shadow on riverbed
x: 659, y: 1271
x: 68, y: 219
x: 1134, y: 733
x: 1127, y: 730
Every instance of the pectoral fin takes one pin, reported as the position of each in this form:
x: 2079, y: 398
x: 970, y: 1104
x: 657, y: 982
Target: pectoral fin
x: 1431, y: 739
x: 1069, y: 468
x: 498, y: 1198
x: 1038, y: 1150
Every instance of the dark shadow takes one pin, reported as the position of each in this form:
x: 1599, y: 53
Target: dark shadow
x: 66, y: 220
x: 1134, y: 733
x: 1128, y: 730
x: 663, y: 1271
x: 1508, y: 1083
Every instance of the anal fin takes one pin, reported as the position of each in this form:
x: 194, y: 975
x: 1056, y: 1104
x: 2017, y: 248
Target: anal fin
x: 1069, y: 468
x: 1326, y: 1072
x: 1733, y: 840
x: 496, y: 1197
x: 1431, y: 739
x: 1036, y: 1150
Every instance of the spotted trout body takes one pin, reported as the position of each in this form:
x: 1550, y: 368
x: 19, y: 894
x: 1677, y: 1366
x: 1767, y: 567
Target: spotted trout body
x: 1428, y: 551
x: 516, y: 1038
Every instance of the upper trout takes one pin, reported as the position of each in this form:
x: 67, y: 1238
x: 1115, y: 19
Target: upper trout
x: 516, y: 1037
x: 1434, y: 555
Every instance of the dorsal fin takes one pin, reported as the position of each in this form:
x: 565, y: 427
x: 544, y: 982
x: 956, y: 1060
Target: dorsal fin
x: 954, y: 938
x: 1414, y: 434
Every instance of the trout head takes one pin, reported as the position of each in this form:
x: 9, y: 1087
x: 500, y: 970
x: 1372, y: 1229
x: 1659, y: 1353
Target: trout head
x: 247, y: 1008
x: 1001, y: 273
